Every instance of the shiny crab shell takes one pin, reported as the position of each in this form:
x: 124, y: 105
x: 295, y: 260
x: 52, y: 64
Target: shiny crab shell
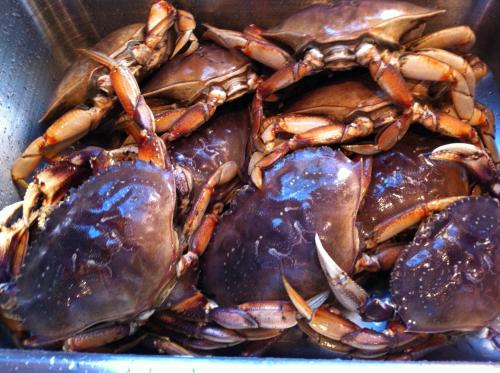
x: 184, y: 78
x: 74, y: 88
x: 106, y: 253
x: 270, y: 232
x: 346, y: 21
x: 447, y: 279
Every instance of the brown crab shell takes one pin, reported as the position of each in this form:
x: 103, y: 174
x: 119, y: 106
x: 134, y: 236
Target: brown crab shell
x: 223, y: 139
x: 341, y: 99
x: 448, y: 278
x: 74, y: 88
x: 270, y: 232
x: 107, y: 253
x: 345, y: 21
x: 184, y: 77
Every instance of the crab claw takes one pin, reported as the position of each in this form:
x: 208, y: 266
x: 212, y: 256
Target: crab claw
x: 475, y: 160
x: 352, y: 296
x: 335, y: 326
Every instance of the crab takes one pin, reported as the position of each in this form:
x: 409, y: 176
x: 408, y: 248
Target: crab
x: 348, y: 109
x: 427, y: 285
x: 104, y: 258
x: 199, y: 83
x: 380, y: 35
x: 241, y: 269
x: 445, y: 281
x: 143, y: 48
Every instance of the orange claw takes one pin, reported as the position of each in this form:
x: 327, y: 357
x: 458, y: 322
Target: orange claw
x: 405, y: 219
x: 336, y: 327
x: 151, y: 147
x: 161, y: 18
x: 251, y: 44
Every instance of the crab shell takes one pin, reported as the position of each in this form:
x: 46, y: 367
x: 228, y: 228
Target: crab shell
x: 270, y: 232
x: 342, y: 99
x: 185, y: 77
x: 404, y: 177
x: 107, y: 253
x: 224, y: 139
x: 345, y: 21
x: 74, y: 88
x: 448, y: 279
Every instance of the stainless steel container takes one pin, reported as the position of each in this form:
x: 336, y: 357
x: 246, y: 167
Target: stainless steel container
x: 37, y: 38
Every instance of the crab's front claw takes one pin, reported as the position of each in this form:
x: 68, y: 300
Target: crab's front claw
x: 250, y: 44
x: 352, y: 296
x: 336, y: 327
x: 186, y: 26
x: 461, y: 38
x: 475, y: 160
x: 161, y: 17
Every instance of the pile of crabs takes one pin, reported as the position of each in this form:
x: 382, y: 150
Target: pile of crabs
x: 260, y: 181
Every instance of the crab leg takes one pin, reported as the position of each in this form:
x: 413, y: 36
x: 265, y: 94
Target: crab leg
x: 204, y: 344
x: 432, y: 120
x: 387, y: 76
x: 221, y: 176
x: 164, y: 345
x: 251, y: 44
x: 348, y: 292
x: 160, y: 19
x: 162, y: 16
x: 422, y: 348
x: 383, y: 259
x: 405, y: 219
x: 125, y: 85
x: 422, y: 67
x: 211, y: 333
x: 194, y: 116
x: 253, y: 320
x: 185, y: 26
x: 198, y: 226
x: 460, y: 38
x: 479, y: 68
x: 68, y: 129
x: 337, y: 327
x: 328, y: 130
x: 311, y: 130
x: 269, y: 315
x: 97, y: 337
x: 322, y: 341
x: 457, y: 62
x: 475, y: 160
x: 484, y: 119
